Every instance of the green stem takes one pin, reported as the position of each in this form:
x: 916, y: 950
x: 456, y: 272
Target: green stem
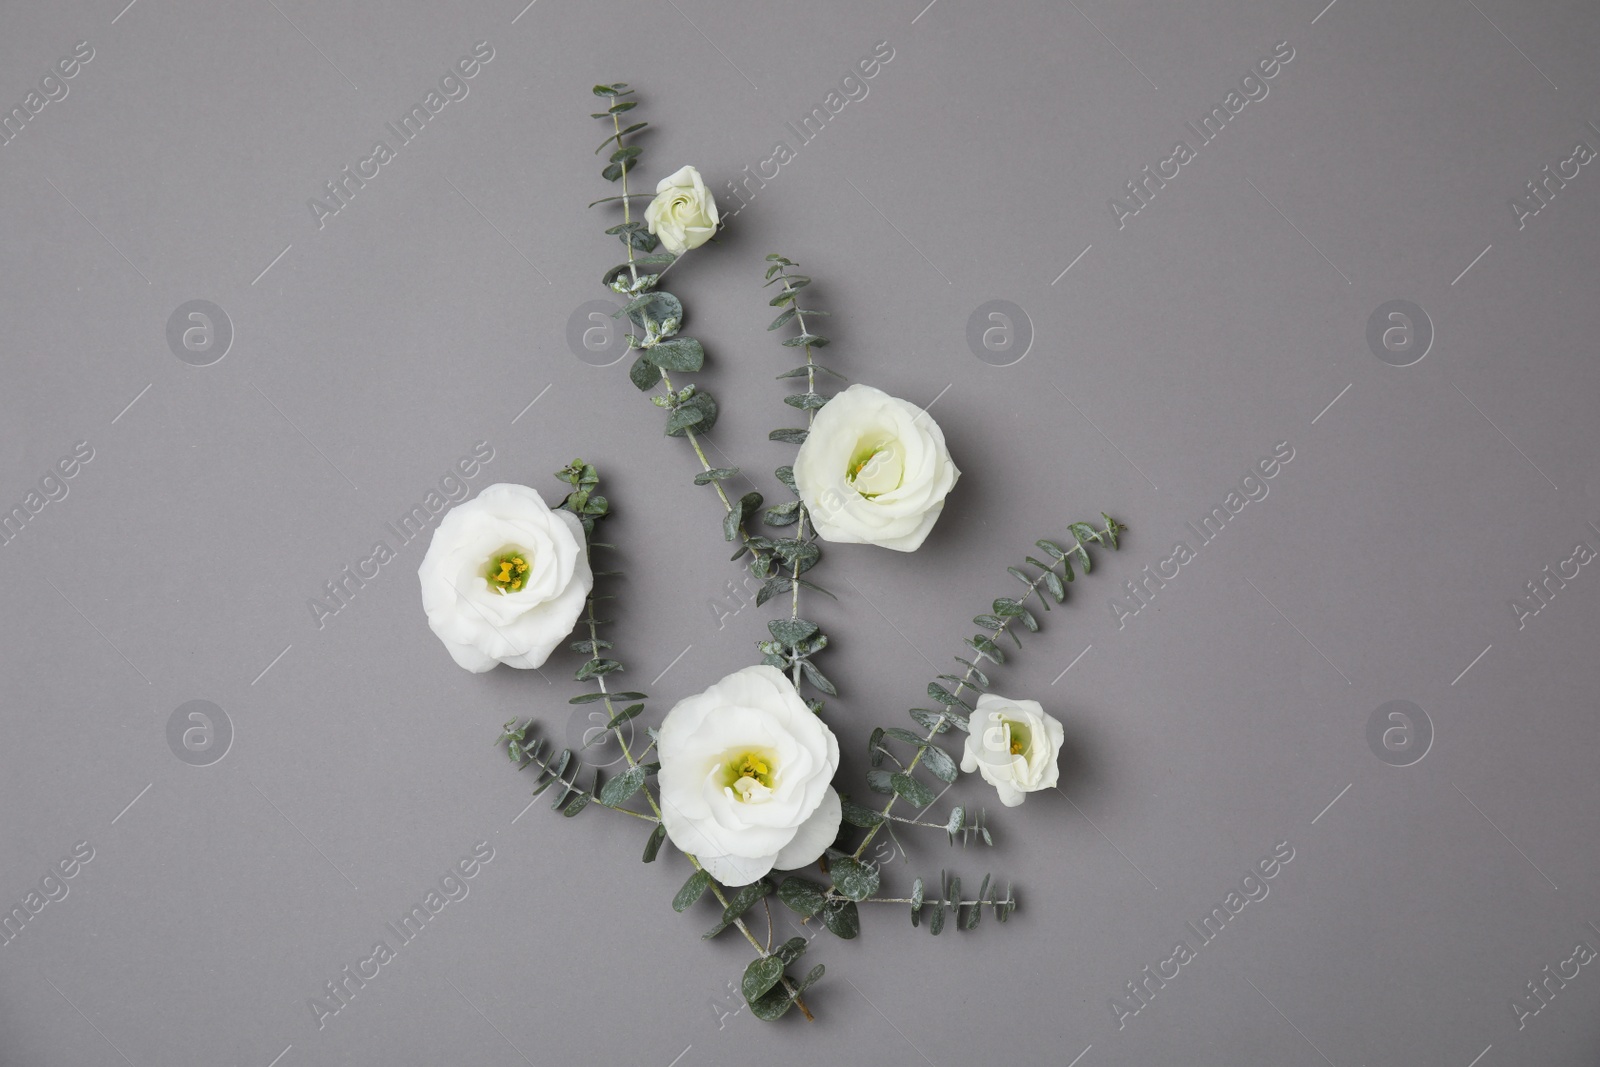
x: 908, y: 900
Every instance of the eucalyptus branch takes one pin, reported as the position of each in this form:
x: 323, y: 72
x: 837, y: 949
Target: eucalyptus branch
x: 795, y: 640
x: 657, y: 315
x: 855, y: 882
x: 1005, y: 611
x: 590, y: 506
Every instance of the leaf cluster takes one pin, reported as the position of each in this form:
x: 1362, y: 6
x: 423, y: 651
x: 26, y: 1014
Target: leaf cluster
x: 952, y: 707
x: 765, y: 985
x: 966, y: 914
x: 623, y: 156
x: 794, y: 640
x: 896, y: 755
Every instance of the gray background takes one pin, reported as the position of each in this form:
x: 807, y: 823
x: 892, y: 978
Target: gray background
x: 1223, y: 719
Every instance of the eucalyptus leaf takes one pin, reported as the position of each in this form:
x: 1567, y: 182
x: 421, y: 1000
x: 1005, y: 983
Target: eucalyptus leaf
x: 707, y: 415
x: 842, y: 918
x: 678, y: 354
x: 791, y: 631
x: 595, y: 668
x: 791, y: 950
x: 802, y: 896
x: 629, y: 712
x: 875, y: 751
x: 743, y: 900
x: 623, y: 786
x: 905, y: 735
x: 817, y: 678
x: 914, y: 791
x: 1006, y: 607
x: 772, y: 588
x: 772, y: 1006
x: 653, y: 845
x: 644, y: 374
x: 692, y: 890
x: 760, y: 976
x: 715, y: 474
x: 939, y: 763
x: 856, y: 815
x: 853, y: 879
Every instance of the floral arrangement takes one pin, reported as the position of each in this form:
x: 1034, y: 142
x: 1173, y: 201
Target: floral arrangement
x: 741, y: 777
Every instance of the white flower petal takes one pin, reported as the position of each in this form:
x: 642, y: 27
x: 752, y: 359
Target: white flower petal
x: 814, y: 835
x: 734, y: 871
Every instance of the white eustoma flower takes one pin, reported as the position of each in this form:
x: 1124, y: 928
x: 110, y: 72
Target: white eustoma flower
x: 745, y: 777
x: 684, y: 213
x: 874, y: 470
x: 505, y: 578
x: 1014, y: 745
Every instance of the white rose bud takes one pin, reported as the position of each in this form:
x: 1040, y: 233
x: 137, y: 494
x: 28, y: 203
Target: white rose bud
x: 874, y: 470
x: 745, y: 777
x: 1014, y: 745
x: 683, y: 214
x: 505, y: 578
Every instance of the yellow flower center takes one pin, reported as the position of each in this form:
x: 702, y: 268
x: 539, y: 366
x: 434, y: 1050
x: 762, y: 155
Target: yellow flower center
x: 1018, y: 738
x: 507, y: 569
x: 749, y: 774
x: 876, y: 467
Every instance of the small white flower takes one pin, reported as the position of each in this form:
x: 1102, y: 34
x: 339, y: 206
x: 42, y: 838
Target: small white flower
x: 874, y: 470
x: 745, y: 777
x: 504, y: 578
x: 684, y: 213
x: 1014, y: 745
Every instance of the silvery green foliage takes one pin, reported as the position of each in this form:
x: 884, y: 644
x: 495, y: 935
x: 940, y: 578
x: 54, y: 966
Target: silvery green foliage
x: 794, y: 640
x: 770, y: 991
x: 657, y: 316
x: 897, y: 755
x: 558, y: 768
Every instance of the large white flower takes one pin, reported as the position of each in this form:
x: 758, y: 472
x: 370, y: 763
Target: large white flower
x: 1014, y: 745
x: 745, y: 773
x: 874, y: 470
x: 505, y: 578
x: 684, y: 213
